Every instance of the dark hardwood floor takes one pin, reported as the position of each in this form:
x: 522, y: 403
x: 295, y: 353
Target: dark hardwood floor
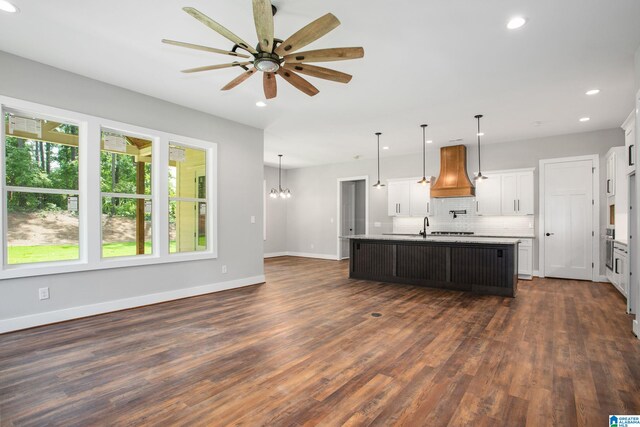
x: 303, y: 349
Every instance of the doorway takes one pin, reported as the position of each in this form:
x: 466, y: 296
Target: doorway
x: 569, y: 217
x: 353, y: 211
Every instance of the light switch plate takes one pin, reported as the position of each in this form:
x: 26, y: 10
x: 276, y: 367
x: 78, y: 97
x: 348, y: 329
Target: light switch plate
x: 43, y: 293
x: 253, y: 219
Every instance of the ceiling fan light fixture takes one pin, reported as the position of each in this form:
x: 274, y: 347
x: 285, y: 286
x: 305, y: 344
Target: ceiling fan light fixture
x: 267, y: 65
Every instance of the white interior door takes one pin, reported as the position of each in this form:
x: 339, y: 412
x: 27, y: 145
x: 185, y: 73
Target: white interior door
x: 348, y: 214
x: 568, y: 220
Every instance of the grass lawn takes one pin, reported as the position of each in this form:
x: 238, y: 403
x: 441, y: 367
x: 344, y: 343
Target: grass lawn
x: 30, y: 254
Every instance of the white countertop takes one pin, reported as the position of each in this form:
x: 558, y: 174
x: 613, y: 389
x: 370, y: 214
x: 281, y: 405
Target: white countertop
x: 448, y: 239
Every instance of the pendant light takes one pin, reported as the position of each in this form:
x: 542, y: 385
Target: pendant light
x: 479, y: 175
x: 378, y: 185
x: 424, y: 180
x: 280, y: 192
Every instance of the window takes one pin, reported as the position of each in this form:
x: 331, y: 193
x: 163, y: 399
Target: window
x: 78, y: 192
x: 187, y: 199
x: 41, y: 189
x: 125, y: 183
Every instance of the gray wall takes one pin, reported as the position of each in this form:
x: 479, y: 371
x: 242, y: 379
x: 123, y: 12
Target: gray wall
x: 240, y: 181
x: 637, y: 66
x: 311, y: 215
x: 276, y: 213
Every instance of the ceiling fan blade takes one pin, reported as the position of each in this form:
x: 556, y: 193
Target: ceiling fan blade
x: 319, y: 72
x: 218, y: 28
x: 204, y: 48
x: 263, y: 18
x: 298, y: 82
x: 241, y: 78
x: 308, y: 34
x: 270, y: 85
x: 326, y: 55
x: 215, y: 67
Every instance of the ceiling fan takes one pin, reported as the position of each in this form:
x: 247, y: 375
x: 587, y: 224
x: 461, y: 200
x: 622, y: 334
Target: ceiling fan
x: 273, y: 56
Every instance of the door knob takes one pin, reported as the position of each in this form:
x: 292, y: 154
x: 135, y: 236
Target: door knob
x: 548, y: 234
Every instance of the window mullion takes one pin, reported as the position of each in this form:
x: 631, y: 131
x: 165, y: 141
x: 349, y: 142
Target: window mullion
x: 161, y: 196
x: 90, y: 200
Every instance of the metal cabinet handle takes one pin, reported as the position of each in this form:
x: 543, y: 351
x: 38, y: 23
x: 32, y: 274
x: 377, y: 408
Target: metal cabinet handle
x: 477, y: 206
x: 518, y: 205
x: 608, y: 186
x: 428, y: 210
x: 514, y: 206
x: 631, y: 159
x: 616, y: 266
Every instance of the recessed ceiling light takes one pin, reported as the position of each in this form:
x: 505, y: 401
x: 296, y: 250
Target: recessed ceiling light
x: 516, y: 22
x: 5, y: 6
x: 585, y: 119
x: 429, y: 141
x: 593, y: 92
x: 385, y: 148
x: 480, y: 134
x: 261, y: 104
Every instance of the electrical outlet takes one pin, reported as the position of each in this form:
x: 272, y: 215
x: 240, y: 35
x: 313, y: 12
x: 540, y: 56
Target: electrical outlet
x: 224, y: 269
x: 43, y: 293
x: 312, y: 246
x: 253, y: 219
x: 377, y: 224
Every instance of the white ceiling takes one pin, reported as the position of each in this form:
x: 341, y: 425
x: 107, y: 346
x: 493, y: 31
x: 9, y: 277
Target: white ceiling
x: 426, y: 61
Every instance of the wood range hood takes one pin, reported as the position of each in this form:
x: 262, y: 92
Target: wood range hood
x: 453, y: 180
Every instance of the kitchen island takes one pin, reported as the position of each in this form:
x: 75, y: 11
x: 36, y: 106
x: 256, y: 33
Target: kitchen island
x: 484, y: 265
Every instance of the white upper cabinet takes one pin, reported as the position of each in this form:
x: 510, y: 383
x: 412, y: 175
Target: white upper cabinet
x: 489, y: 195
x: 610, y: 184
x: 629, y: 127
x: 408, y: 198
x: 517, y: 193
x: 399, y: 198
x: 420, y: 199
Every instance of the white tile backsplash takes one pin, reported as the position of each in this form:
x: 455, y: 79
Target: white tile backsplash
x: 442, y: 220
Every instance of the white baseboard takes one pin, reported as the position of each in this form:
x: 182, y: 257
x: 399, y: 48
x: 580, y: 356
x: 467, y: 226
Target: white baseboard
x: 310, y: 255
x: 535, y: 273
x: 39, y: 319
x: 301, y: 255
x: 275, y: 254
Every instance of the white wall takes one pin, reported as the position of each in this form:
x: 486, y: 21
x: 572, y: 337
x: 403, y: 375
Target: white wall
x: 240, y: 184
x: 311, y: 214
x: 276, y: 243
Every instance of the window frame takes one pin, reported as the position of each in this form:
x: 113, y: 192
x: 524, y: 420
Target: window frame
x: 90, y: 194
x: 154, y: 140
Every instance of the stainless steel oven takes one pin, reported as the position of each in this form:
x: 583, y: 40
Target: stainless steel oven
x: 608, y: 241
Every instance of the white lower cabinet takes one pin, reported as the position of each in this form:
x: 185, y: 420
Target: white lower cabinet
x: 620, y: 259
x: 525, y: 259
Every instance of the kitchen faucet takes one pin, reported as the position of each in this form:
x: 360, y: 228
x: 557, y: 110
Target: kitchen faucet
x: 423, y: 233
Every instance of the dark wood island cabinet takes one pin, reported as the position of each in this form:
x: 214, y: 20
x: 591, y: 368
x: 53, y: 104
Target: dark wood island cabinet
x: 484, y: 266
